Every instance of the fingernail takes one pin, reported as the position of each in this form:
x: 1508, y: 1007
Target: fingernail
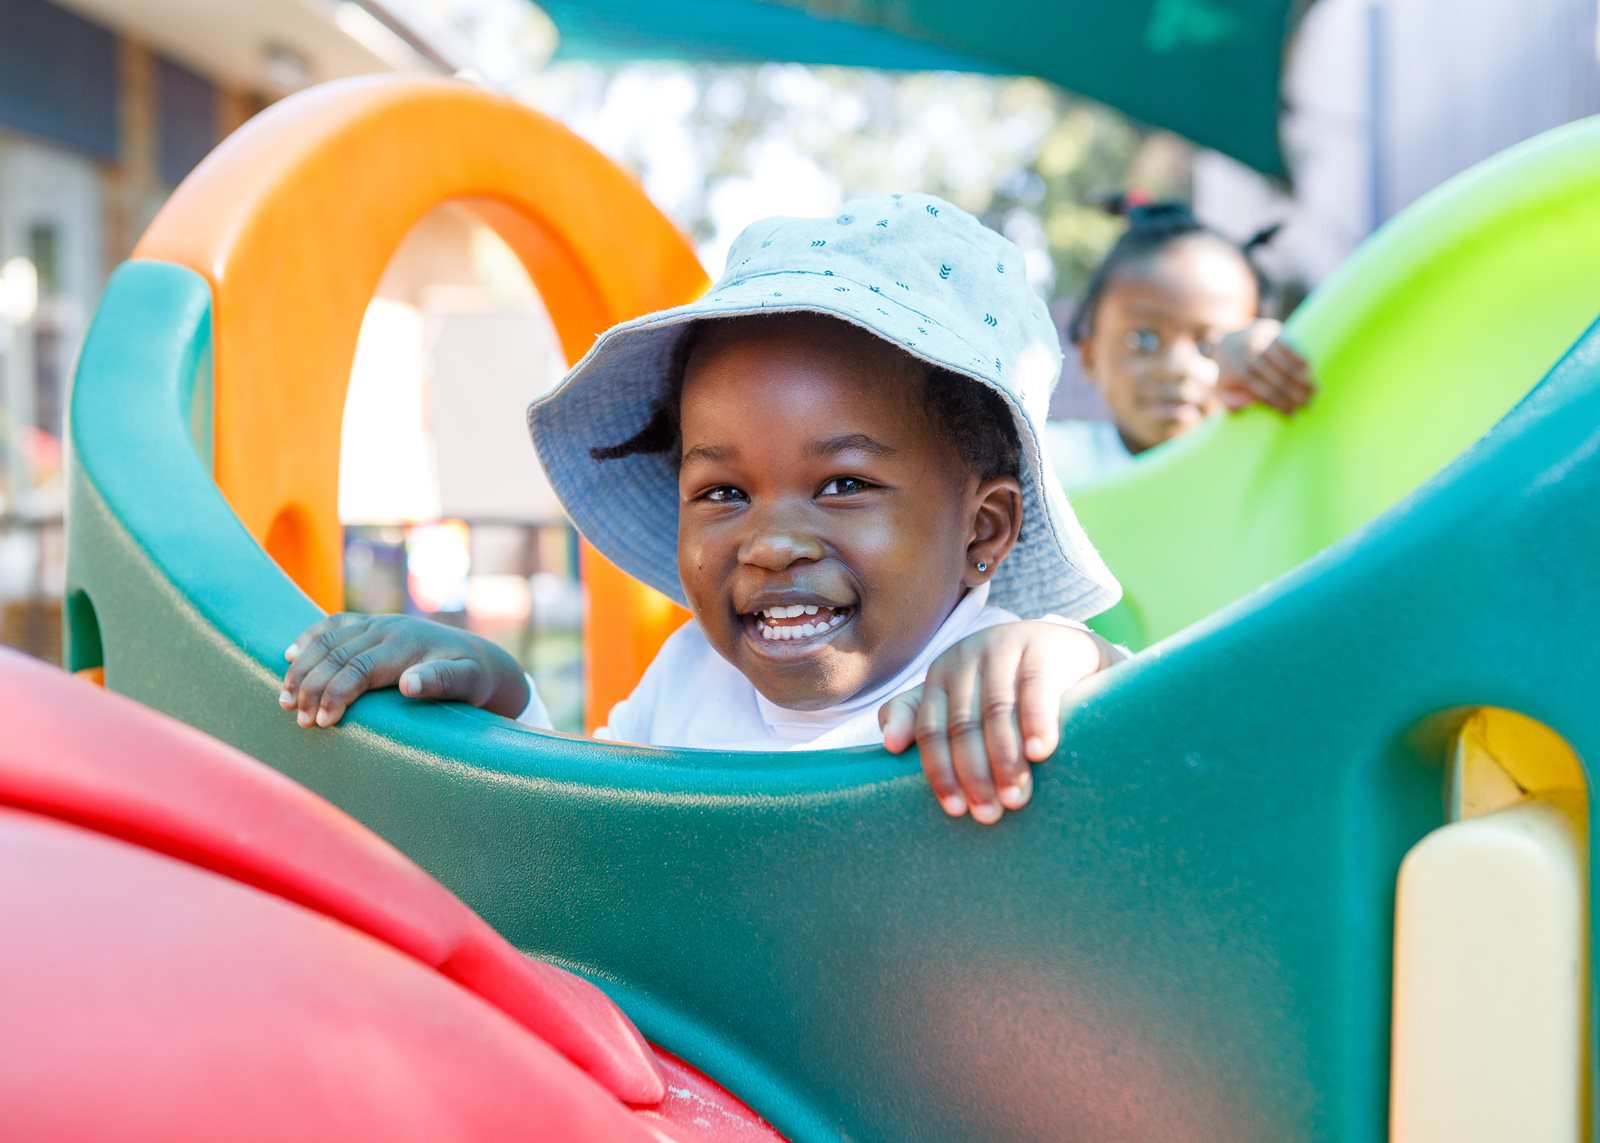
x: 291, y: 651
x: 303, y: 718
x: 985, y: 814
x: 1034, y: 748
x: 955, y: 805
x: 408, y: 683
x: 285, y: 699
x: 1016, y: 796
x: 324, y: 718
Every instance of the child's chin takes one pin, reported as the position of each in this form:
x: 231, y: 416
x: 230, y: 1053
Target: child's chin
x: 801, y: 693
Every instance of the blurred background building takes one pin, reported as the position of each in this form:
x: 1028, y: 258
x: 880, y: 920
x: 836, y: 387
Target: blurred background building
x: 105, y: 105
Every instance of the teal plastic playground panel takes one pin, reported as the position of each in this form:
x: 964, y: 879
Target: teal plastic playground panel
x: 1186, y: 936
x: 1208, y: 69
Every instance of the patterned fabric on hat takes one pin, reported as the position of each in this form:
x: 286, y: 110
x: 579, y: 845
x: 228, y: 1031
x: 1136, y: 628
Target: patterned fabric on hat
x: 912, y: 269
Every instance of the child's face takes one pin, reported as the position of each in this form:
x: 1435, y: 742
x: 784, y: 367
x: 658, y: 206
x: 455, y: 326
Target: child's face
x: 1156, y: 328
x: 812, y: 479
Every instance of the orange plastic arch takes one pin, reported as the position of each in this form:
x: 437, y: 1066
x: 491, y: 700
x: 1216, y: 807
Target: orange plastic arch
x: 293, y: 219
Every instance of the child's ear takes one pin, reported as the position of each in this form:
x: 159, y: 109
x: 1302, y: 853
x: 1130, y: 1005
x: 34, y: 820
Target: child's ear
x: 1086, y: 360
x: 996, y: 524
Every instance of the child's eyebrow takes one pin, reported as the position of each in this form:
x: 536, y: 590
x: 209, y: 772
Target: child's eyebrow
x: 712, y: 454
x: 1149, y: 309
x: 848, y: 442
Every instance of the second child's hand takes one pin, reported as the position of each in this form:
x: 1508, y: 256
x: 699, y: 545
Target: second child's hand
x: 1256, y: 366
x: 340, y: 658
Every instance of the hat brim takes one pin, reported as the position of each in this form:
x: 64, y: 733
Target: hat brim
x: 628, y: 507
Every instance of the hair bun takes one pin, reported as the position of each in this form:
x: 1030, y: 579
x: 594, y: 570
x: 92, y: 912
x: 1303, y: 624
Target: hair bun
x: 1122, y: 203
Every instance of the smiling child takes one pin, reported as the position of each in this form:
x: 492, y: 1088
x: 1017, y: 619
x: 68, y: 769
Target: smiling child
x: 832, y: 459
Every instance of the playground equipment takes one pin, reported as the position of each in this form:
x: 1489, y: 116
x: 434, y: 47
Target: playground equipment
x: 223, y: 955
x: 1422, y: 340
x: 1186, y: 936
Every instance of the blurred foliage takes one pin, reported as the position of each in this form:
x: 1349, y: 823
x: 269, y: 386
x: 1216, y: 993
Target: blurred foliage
x: 718, y: 146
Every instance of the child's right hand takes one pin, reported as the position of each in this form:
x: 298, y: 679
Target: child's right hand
x: 337, y: 660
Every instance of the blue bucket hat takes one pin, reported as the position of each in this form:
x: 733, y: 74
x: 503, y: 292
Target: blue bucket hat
x: 916, y: 271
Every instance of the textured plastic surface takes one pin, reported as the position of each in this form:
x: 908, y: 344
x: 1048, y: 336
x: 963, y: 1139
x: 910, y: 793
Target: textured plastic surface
x: 149, y: 1000
x: 105, y: 764
x: 1491, y: 1008
x: 1186, y: 936
x: 197, y: 948
x: 1420, y: 342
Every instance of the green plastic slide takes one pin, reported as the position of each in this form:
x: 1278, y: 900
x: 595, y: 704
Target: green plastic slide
x: 1187, y: 935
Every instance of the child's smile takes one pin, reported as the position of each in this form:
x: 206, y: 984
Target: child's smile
x: 800, y: 620
x: 824, y: 521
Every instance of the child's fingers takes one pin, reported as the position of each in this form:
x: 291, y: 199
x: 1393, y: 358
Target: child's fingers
x: 934, y: 750
x: 898, y: 718
x: 317, y: 630
x: 1040, y: 686
x: 310, y: 693
x: 1288, y: 356
x: 379, y: 663
x: 1293, y: 371
x: 963, y: 730
x: 459, y: 680
x: 1293, y: 390
x: 315, y: 642
x: 1267, y: 387
x: 998, y: 705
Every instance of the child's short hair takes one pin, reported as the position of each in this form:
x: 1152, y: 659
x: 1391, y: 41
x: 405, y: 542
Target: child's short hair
x: 911, y: 270
x: 972, y: 417
x: 1151, y: 227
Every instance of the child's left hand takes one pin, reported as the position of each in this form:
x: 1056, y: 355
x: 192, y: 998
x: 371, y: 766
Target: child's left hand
x: 991, y: 706
x: 1256, y: 366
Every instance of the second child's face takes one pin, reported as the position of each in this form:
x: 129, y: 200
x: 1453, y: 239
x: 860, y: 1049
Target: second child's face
x: 1152, y: 348
x: 823, y: 521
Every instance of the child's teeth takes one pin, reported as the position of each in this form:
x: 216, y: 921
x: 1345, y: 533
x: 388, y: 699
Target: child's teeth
x: 771, y: 628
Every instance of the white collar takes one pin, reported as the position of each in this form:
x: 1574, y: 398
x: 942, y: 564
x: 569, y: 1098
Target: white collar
x: 804, y: 725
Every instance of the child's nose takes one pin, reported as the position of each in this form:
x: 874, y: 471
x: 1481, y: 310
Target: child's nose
x: 777, y: 540
x: 1186, y: 364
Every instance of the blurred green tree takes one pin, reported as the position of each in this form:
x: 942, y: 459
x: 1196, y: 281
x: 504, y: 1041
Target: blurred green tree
x: 720, y: 145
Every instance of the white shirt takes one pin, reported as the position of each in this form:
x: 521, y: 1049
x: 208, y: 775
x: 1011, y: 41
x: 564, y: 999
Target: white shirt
x: 692, y: 696
x: 1081, y: 451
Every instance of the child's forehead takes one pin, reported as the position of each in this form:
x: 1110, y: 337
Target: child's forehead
x: 834, y: 381
x: 1193, y: 272
x: 1201, y: 257
x: 800, y: 339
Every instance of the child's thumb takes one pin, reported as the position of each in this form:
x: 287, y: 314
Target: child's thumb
x: 443, y: 679
x: 898, y: 720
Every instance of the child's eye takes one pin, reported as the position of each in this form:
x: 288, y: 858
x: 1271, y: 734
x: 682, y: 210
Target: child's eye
x: 843, y: 486
x: 1207, y: 346
x: 724, y: 494
x: 1144, y: 341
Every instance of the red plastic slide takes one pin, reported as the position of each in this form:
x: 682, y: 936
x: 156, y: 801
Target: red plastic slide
x: 195, y: 947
